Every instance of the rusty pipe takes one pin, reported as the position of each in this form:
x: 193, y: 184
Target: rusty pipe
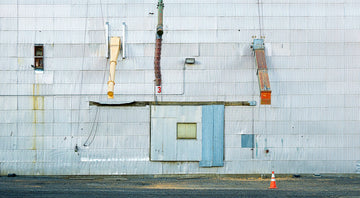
x: 159, y: 33
x: 159, y: 27
x: 157, y: 62
x: 115, y: 44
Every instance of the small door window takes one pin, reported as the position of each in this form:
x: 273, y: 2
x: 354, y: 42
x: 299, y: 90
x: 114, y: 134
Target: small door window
x: 186, y: 130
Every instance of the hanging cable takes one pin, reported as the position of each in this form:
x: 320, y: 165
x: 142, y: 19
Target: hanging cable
x: 83, y: 62
x: 259, y: 14
x: 95, y: 123
x: 92, y: 131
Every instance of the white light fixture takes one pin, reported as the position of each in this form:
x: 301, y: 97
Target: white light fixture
x: 189, y: 60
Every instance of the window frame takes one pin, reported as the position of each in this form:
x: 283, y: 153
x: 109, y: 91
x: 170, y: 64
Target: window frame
x: 185, y: 138
x: 39, y: 59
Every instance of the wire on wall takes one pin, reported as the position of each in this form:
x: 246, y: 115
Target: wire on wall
x: 82, y: 64
x: 260, y: 14
x: 95, y: 123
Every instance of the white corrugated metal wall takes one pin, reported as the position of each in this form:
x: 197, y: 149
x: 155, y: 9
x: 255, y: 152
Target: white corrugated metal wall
x: 313, y: 56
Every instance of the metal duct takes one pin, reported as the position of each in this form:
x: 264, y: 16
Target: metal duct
x: 159, y: 33
x: 115, y: 44
x: 157, y: 62
x: 262, y: 72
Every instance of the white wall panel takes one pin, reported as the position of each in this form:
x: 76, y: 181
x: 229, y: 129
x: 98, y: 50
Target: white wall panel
x: 312, y: 52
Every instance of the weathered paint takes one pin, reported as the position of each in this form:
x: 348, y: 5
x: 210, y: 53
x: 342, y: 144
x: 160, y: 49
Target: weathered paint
x: 260, y: 59
x: 213, y: 136
x: 256, y: 149
x: 258, y: 44
x: 208, y: 136
x: 35, y: 107
x: 157, y: 59
x: 159, y: 33
x: 315, y: 106
x: 265, y: 145
x: 38, y: 108
x: 218, y: 147
x: 262, y: 72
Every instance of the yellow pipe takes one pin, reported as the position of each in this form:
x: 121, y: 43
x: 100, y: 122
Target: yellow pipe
x: 115, y: 44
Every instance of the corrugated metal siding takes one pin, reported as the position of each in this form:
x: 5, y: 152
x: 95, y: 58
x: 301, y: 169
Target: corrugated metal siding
x: 164, y: 143
x: 312, y: 53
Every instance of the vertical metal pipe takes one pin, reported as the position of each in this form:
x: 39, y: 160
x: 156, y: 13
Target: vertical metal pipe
x: 159, y: 33
x: 124, y: 41
x: 159, y: 28
x: 107, y: 39
x: 157, y: 62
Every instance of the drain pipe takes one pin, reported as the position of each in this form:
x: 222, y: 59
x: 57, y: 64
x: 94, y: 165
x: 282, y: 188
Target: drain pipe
x: 124, y: 40
x: 115, y: 44
x: 159, y: 33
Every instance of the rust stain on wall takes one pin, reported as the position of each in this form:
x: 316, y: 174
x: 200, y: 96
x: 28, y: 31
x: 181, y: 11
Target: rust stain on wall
x: 38, y: 114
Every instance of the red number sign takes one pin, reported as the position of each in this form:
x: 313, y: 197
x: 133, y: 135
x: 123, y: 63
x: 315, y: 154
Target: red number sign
x: 158, y: 89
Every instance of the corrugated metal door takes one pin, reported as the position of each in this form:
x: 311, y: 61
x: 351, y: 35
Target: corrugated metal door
x: 212, y: 136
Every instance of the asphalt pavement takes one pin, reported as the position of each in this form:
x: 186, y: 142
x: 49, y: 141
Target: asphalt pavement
x: 180, y: 186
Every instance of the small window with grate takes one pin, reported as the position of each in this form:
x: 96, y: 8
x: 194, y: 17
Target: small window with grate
x: 38, y: 57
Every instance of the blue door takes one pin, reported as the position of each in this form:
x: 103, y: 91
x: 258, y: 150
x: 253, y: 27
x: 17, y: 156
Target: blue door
x: 212, y: 136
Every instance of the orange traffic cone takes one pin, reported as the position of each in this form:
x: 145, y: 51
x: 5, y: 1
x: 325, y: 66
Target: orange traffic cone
x: 273, y: 182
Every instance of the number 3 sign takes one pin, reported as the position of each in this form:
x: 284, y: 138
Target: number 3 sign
x: 158, y: 89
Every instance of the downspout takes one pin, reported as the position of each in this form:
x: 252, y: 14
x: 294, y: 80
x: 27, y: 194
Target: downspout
x: 115, y: 44
x: 159, y: 33
x: 124, y: 41
x: 107, y: 39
